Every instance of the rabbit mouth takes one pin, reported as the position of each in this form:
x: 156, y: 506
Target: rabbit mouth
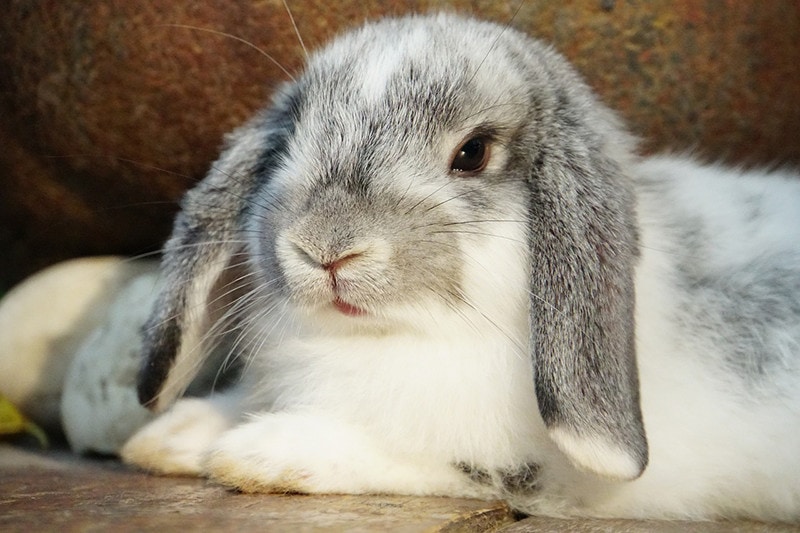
x: 347, y: 309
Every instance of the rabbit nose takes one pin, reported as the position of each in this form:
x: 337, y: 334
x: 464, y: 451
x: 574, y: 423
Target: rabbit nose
x: 333, y: 265
x: 330, y: 261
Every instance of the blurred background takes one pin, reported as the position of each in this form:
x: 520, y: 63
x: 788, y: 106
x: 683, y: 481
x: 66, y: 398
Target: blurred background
x: 109, y: 111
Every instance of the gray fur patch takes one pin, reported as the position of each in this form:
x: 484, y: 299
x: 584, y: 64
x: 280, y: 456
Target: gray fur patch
x: 752, y: 310
x: 520, y: 480
x: 480, y: 476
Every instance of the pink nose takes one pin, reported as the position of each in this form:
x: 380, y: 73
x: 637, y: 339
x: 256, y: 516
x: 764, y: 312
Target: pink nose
x: 336, y: 264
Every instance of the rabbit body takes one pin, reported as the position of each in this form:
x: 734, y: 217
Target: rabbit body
x: 457, y: 279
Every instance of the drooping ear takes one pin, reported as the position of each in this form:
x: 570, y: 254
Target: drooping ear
x: 584, y: 250
x: 207, y: 240
x: 175, y: 338
x: 202, y: 247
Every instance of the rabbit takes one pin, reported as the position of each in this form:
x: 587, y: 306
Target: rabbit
x: 455, y: 276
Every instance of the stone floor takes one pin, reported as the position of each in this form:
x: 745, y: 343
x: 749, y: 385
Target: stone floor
x: 57, y: 491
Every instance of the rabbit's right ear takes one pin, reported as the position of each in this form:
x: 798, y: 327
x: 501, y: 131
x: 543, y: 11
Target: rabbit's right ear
x: 173, y: 339
x: 206, y: 243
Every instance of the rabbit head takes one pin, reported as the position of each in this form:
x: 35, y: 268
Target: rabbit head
x: 366, y: 186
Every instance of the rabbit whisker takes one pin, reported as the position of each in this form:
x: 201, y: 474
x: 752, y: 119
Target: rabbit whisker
x: 480, y: 233
x: 296, y: 31
x: 496, y: 40
x: 239, y: 39
x: 422, y: 200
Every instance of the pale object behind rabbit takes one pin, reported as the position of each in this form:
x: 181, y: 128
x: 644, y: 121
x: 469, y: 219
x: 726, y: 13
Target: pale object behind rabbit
x: 452, y: 264
x: 99, y: 411
x: 45, y: 320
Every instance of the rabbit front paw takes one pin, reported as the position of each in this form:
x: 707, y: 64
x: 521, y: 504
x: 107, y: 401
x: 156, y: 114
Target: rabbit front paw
x: 281, y: 453
x: 284, y: 452
x: 176, y: 442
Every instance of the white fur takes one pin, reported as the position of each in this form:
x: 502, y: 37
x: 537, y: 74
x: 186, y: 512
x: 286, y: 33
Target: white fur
x: 595, y: 454
x: 177, y: 442
x: 380, y: 64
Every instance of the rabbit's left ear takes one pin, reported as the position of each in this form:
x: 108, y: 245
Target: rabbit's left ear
x: 584, y: 249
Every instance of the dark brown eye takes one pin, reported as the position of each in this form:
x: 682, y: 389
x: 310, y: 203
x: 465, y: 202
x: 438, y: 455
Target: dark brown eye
x: 472, y: 156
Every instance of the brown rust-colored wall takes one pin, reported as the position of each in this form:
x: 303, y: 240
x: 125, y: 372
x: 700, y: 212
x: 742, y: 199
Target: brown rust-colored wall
x: 109, y: 112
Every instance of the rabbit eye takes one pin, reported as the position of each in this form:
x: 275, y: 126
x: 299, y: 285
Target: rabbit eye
x: 472, y: 156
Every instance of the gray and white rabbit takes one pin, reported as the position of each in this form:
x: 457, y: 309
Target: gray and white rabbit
x: 448, y: 273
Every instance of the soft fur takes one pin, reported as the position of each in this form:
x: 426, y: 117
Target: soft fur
x: 408, y: 327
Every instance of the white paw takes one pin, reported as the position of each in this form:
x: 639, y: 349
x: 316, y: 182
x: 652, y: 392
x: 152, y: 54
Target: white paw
x: 177, y: 441
x: 285, y: 452
x: 280, y: 453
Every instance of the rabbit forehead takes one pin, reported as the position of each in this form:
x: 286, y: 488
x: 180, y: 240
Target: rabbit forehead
x: 418, y: 53
x: 381, y: 62
x: 440, y: 68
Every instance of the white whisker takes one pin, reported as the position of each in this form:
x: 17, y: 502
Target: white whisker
x: 235, y: 38
x: 296, y: 31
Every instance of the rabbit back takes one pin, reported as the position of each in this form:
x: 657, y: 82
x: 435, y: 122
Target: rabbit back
x: 718, y: 340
